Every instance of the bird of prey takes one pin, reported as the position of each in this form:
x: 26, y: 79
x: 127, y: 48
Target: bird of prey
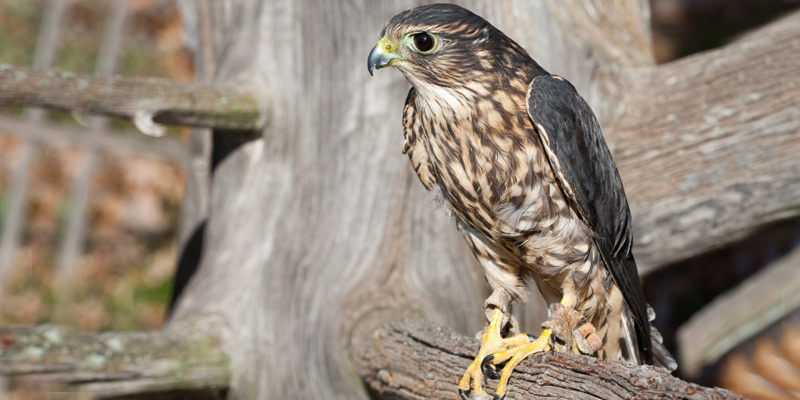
x: 517, y: 158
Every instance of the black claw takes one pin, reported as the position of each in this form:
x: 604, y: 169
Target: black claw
x: 464, y: 395
x: 531, y: 337
x: 496, y: 397
x: 487, y: 369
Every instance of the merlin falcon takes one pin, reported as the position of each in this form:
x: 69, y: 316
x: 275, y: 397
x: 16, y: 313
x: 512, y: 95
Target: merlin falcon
x: 517, y: 158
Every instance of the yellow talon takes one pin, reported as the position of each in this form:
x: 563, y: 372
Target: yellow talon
x: 518, y: 354
x: 474, y: 374
x: 492, y: 343
x: 495, y: 350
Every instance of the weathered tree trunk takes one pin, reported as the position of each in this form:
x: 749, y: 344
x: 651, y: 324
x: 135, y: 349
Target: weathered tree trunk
x: 318, y: 232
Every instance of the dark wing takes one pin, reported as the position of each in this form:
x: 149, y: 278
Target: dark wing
x: 415, y: 150
x: 588, y: 177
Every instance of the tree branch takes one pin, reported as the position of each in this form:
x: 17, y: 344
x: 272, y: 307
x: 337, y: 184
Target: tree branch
x: 707, y: 146
x: 151, y: 364
x: 113, y: 365
x: 144, y: 100
x: 433, y: 359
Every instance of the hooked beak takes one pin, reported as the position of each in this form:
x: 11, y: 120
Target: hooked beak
x: 384, y: 54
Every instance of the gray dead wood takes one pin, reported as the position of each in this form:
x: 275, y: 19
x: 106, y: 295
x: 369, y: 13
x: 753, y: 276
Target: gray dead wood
x: 113, y: 365
x: 144, y: 100
x: 736, y: 316
x: 413, y: 359
x: 708, y: 145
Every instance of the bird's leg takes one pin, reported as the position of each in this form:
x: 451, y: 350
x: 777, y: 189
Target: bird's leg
x: 514, y: 356
x: 585, y: 339
x: 572, y: 331
x: 554, y: 328
x: 493, y: 342
x: 498, y: 313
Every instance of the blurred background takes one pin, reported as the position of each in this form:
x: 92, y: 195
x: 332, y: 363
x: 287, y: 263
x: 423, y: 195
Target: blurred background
x: 101, y: 219
x: 122, y: 273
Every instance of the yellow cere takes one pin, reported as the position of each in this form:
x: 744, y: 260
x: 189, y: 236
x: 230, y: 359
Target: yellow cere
x: 386, y: 45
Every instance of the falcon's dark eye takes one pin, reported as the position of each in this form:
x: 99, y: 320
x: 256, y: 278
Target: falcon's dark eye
x: 424, y: 42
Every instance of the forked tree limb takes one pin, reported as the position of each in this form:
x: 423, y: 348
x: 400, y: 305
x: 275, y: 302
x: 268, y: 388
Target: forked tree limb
x: 144, y: 100
x: 413, y: 359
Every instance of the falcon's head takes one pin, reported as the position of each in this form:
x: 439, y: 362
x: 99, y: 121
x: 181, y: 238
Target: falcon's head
x: 447, y: 46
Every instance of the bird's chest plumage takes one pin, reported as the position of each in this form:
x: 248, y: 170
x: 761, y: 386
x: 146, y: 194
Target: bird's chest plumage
x: 488, y: 164
x: 484, y: 162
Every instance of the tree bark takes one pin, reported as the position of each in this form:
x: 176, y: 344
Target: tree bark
x: 413, y: 359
